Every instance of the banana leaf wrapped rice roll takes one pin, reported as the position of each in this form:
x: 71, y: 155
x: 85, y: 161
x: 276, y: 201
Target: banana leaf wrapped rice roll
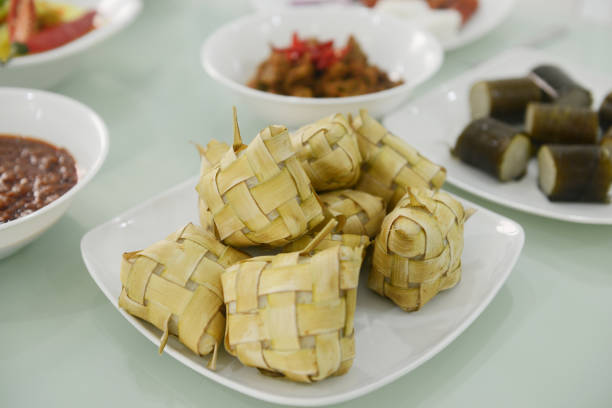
x: 504, y: 99
x: 547, y: 123
x: 495, y: 147
x: 575, y: 172
x: 605, y: 113
x: 606, y: 141
x: 559, y: 87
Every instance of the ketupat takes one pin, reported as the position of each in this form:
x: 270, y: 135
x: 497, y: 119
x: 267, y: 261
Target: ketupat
x: 328, y: 152
x: 257, y: 194
x: 418, y: 250
x: 175, y: 284
x: 357, y: 212
x: 331, y: 240
x: 292, y: 314
x: 390, y: 165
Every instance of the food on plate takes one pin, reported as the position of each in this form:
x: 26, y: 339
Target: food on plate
x: 605, y: 113
x: 291, y: 314
x: 548, y: 123
x: 558, y: 124
x: 418, y: 250
x: 390, y: 165
x: 328, y: 152
x: 465, y: 7
x: 357, y: 212
x: 560, y: 87
x: 443, y: 18
x: 312, y: 68
x: 175, y: 284
x: 495, y: 147
x: 257, y: 194
x: 30, y: 27
x: 33, y: 173
x: 606, y: 140
x: 443, y: 23
x: 333, y: 239
x: 503, y: 99
x: 575, y: 172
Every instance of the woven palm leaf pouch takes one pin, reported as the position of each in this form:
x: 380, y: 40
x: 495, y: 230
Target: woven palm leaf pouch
x: 357, y: 212
x: 418, y: 250
x: 292, y: 314
x: 257, y: 194
x: 175, y: 284
x: 328, y: 152
x: 333, y: 239
x: 390, y: 165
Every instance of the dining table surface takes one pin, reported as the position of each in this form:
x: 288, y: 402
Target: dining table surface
x: 544, y: 341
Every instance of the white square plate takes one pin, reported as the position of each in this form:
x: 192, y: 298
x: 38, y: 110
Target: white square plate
x: 433, y: 122
x: 389, y: 342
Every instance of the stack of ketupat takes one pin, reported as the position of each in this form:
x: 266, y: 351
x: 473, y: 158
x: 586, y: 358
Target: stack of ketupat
x: 291, y: 313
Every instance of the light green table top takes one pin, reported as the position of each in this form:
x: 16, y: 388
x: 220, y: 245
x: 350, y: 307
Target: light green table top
x: 545, y: 340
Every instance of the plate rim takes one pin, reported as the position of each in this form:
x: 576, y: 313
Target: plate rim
x: 301, y: 401
x: 511, y: 53
x: 458, y: 41
x: 107, y: 29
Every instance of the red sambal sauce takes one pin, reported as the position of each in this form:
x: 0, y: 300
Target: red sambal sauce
x: 33, y: 173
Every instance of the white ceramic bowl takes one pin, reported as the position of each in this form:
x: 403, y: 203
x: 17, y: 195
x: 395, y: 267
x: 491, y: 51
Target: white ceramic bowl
x: 232, y: 53
x: 46, y: 69
x: 63, y: 122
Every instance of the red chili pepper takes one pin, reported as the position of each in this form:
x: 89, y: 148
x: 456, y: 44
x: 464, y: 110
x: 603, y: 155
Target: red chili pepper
x: 21, y: 20
x: 322, y: 55
x: 61, y: 34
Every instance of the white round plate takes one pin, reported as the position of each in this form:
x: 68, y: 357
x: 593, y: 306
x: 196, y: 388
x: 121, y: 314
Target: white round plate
x: 46, y: 69
x: 433, y: 122
x: 489, y: 15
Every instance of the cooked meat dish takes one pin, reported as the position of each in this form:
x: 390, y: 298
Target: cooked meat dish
x: 311, y: 68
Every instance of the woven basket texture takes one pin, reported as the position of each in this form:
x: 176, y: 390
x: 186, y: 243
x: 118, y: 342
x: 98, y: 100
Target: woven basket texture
x: 175, y: 284
x: 390, y: 165
x: 292, y: 314
x: 328, y: 152
x: 418, y: 250
x: 257, y: 194
x: 331, y: 240
x: 357, y: 212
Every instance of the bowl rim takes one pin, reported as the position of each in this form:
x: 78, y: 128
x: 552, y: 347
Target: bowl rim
x: 108, y: 28
x: 101, y: 135
x: 219, y: 76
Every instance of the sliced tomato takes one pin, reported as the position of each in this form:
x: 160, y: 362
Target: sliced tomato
x: 61, y: 34
x: 21, y: 20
